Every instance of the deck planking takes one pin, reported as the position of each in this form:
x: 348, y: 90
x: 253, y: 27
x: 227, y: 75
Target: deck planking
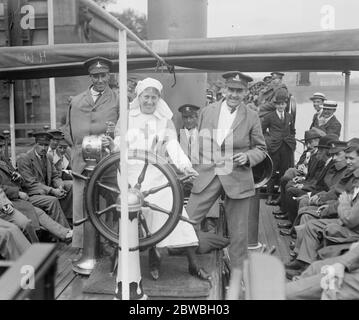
x: 69, y: 285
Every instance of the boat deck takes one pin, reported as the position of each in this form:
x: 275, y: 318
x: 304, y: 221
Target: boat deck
x: 69, y: 286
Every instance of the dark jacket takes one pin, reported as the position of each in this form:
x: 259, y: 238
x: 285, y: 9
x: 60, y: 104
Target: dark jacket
x: 34, y: 180
x: 277, y: 131
x: 333, y: 126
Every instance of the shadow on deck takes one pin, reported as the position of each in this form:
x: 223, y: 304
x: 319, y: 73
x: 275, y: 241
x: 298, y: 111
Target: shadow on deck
x: 70, y: 286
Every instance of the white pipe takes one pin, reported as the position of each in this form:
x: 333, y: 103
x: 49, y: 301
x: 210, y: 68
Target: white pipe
x: 51, y: 41
x: 346, y: 105
x: 12, y: 123
x: 122, y: 58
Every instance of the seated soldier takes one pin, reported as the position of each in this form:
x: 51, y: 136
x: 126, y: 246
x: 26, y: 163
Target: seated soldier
x: 324, y: 205
x: 12, y: 241
x: 345, y: 229
x: 42, y: 182
x: 10, y: 214
x: 299, y: 172
x: 62, y: 161
x: 11, y: 183
x: 309, y: 285
x: 315, y: 167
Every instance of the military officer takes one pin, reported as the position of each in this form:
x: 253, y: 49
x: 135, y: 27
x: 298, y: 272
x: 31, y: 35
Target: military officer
x: 88, y: 114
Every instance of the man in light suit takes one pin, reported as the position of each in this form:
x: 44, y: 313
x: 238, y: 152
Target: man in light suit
x: 230, y: 143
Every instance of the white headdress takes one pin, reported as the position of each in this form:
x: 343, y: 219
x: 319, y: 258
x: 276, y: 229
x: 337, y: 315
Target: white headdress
x: 162, y: 108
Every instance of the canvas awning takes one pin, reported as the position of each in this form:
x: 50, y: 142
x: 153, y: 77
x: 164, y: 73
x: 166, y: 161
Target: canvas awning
x: 312, y: 51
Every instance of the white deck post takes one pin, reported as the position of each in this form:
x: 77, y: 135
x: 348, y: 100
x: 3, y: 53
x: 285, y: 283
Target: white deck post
x: 51, y: 42
x: 123, y: 259
x: 346, y: 105
x: 12, y: 123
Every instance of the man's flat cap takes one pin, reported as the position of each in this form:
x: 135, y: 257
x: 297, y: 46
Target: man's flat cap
x: 98, y: 65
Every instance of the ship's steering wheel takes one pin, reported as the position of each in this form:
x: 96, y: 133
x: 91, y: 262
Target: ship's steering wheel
x: 103, y: 180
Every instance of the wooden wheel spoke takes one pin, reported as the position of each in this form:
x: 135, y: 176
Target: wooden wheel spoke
x: 109, y: 188
x: 155, y: 189
x: 142, y: 175
x: 156, y: 208
x: 109, y: 208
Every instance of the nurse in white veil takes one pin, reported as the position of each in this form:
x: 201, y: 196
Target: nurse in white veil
x: 150, y: 124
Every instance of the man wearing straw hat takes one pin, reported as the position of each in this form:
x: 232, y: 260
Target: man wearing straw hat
x: 327, y: 122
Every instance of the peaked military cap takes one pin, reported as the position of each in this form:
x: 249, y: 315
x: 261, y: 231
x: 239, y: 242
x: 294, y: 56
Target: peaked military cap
x: 327, y: 141
x: 267, y: 77
x: 56, y: 134
x: 236, y: 79
x: 328, y: 104
x: 42, y: 136
x: 318, y: 95
x: 63, y: 142
x: 281, y: 74
x: 98, y: 65
x: 188, y: 109
x: 353, y: 145
x: 338, y: 146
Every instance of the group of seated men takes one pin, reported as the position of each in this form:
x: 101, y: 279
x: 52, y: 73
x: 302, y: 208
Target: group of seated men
x: 319, y: 209
x: 35, y: 197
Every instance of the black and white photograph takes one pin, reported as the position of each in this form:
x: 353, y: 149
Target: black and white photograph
x: 186, y: 153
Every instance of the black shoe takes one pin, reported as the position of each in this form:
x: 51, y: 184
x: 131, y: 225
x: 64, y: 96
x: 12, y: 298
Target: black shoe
x: 276, y: 202
x: 199, y: 272
x: 293, y: 254
x: 285, y: 224
x: 278, y: 212
x: 286, y: 232
x: 296, y: 265
x: 292, y: 245
x: 154, y: 261
x: 281, y: 216
x: 290, y: 274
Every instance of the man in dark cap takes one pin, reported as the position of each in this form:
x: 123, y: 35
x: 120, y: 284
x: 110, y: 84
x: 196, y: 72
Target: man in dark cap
x: 57, y: 135
x: 327, y: 121
x: 318, y: 163
x: 345, y: 229
x: 230, y: 143
x: 88, y: 114
x: 299, y: 172
x: 12, y: 183
x: 189, y: 132
x: 279, y: 131
x: 267, y: 80
x: 266, y: 99
x: 41, y: 180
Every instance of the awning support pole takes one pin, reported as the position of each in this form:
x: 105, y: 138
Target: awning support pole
x: 12, y: 123
x: 51, y: 41
x: 124, y: 257
x: 346, y: 105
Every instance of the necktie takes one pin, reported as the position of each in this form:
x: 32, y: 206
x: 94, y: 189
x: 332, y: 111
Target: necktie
x: 281, y: 116
x: 233, y: 109
x: 99, y: 94
x: 44, y: 167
